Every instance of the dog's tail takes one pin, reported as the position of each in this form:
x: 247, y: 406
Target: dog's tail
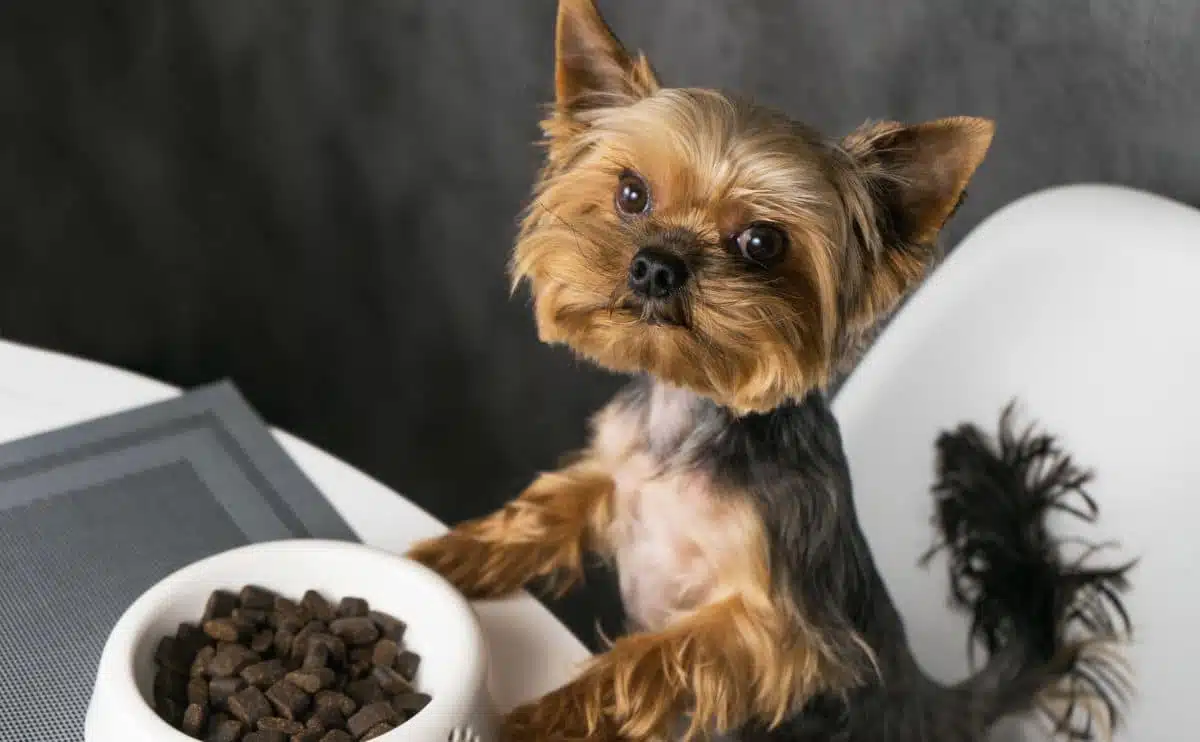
x: 1050, y: 626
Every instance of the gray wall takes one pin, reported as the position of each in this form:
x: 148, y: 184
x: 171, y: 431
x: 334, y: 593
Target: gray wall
x: 317, y: 197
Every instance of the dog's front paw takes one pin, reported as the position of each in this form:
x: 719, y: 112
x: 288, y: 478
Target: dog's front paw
x: 472, y: 565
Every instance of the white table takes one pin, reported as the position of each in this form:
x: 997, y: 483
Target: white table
x: 531, y: 651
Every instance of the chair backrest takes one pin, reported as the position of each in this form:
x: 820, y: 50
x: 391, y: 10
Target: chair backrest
x: 1082, y: 303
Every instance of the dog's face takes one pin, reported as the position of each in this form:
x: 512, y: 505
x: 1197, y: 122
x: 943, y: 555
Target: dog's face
x: 716, y: 244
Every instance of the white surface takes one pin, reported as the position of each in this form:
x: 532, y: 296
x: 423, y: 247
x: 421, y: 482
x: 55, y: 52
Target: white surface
x: 1084, y: 303
x: 531, y: 652
x: 442, y: 629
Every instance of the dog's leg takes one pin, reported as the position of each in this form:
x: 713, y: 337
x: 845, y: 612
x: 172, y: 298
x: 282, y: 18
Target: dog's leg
x: 724, y: 664
x: 544, y: 533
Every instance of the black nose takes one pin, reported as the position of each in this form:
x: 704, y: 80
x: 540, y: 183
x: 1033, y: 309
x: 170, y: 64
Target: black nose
x: 656, y: 274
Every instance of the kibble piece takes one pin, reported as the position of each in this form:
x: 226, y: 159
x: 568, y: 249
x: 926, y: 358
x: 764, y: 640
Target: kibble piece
x: 376, y: 731
x: 317, y: 655
x: 226, y: 730
x: 231, y: 659
x: 390, y: 681
x: 300, y: 642
x: 389, y: 626
x: 256, y: 598
x: 220, y: 605
x: 279, y: 724
x: 264, y: 674
x: 309, y: 735
x: 352, y: 607
x: 369, y: 716
x: 283, y: 642
x: 355, y: 631
x: 339, y: 701
x: 365, y: 691
x: 312, y: 680
x: 191, y: 637
x: 194, y: 719
x: 335, y: 646
x: 220, y: 690
x: 169, y: 684
x: 197, y: 692
x: 252, y: 616
x: 265, y: 736
x: 329, y: 718
x: 169, y: 710
x: 410, y: 703
x: 290, y: 701
x: 317, y: 606
x: 384, y: 653
x: 263, y: 641
x: 407, y: 664
x: 249, y: 705
x: 199, y: 666
x: 337, y: 735
x: 229, y: 629
x: 173, y: 655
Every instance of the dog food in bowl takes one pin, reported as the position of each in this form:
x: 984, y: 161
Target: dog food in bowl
x: 262, y: 667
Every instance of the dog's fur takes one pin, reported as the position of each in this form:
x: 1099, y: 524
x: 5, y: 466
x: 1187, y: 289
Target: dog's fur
x: 715, y: 482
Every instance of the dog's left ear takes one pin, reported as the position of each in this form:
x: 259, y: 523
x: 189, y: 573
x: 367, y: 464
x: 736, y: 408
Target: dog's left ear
x: 593, y: 69
x: 914, y: 178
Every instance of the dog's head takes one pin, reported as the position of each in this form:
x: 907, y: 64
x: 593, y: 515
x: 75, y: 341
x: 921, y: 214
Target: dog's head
x: 717, y: 244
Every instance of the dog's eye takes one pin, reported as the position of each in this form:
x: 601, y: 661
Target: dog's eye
x: 633, y: 197
x: 762, y: 243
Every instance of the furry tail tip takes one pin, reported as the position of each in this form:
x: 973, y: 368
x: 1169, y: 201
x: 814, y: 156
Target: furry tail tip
x: 1051, y: 625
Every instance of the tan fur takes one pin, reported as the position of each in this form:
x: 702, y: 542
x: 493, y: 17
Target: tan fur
x: 544, y: 534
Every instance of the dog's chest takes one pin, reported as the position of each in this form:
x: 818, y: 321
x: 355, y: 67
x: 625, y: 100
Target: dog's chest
x: 673, y: 536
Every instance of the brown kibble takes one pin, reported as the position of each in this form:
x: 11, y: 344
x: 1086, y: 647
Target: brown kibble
x: 264, y: 674
x: 384, y: 653
x: 376, y: 731
x: 355, y: 631
x: 199, y: 666
x: 249, y: 705
x: 168, y: 684
x: 221, y: 689
x: 407, y: 664
x: 408, y: 704
x: 265, y: 736
x: 317, y: 606
x: 197, y: 692
x: 337, y: 735
x: 326, y: 719
x: 228, y: 630
x: 279, y: 724
x: 389, y: 626
x: 283, y: 642
x: 220, y: 605
x: 365, y: 691
x: 169, y: 710
x: 194, y: 719
x: 352, y: 607
x: 300, y: 643
x: 191, y: 637
x: 263, y: 641
x: 370, y: 716
x: 335, y: 646
x: 256, y: 598
x: 254, y: 617
x: 312, y: 680
x: 230, y: 660
x: 390, y: 681
x: 334, y: 699
x: 317, y: 655
x: 226, y: 730
x: 173, y: 655
x: 309, y: 735
x: 289, y: 700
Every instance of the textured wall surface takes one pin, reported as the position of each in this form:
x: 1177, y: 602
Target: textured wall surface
x: 317, y: 198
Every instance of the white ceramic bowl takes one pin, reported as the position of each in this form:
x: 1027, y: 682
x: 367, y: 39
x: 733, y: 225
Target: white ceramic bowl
x: 442, y: 629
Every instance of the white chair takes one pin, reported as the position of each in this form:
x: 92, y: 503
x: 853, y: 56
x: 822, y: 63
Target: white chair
x: 1083, y: 303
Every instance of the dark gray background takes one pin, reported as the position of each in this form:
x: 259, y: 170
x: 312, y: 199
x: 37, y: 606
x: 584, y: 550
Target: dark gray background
x: 316, y: 197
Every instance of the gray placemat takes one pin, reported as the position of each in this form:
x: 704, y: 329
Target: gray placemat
x: 93, y: 515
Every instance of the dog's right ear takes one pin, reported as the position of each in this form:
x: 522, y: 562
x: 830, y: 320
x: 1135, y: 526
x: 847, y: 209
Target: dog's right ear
x: 593, y: 70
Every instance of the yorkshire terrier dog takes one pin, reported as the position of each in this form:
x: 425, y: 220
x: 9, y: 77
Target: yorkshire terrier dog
x: 732, y: 261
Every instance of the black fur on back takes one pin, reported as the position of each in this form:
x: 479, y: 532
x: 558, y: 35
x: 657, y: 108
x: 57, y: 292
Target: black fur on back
x: 1043, y: 620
